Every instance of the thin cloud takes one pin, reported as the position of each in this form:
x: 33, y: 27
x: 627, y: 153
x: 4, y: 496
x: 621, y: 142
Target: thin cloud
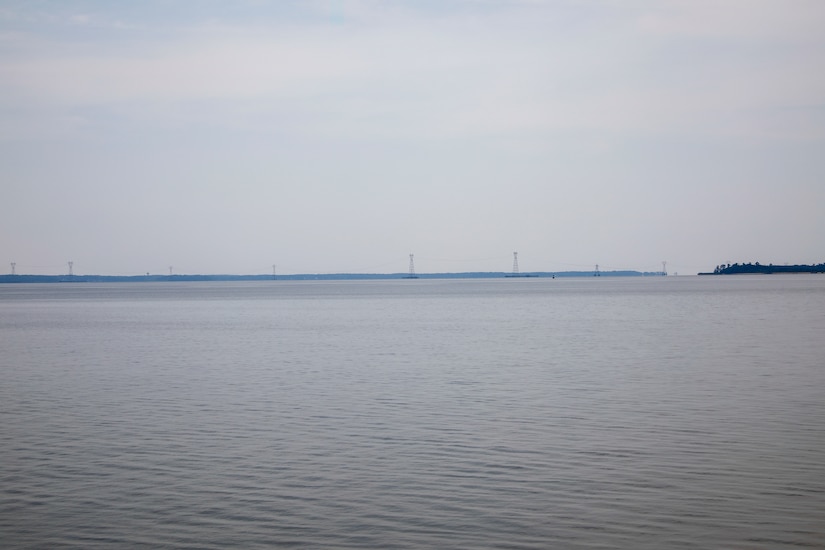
x: 449, y: 75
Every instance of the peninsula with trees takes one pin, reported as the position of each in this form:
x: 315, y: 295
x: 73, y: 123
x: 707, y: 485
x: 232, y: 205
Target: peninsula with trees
x: 769, y: 269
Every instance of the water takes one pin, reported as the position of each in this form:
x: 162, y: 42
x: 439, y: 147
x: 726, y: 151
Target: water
x: 678, y: 412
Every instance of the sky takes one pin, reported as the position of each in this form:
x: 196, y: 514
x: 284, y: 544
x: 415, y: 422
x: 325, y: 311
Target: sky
x: 343, y: 135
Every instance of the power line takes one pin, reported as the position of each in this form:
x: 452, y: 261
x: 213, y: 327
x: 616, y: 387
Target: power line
x: 412, y: 274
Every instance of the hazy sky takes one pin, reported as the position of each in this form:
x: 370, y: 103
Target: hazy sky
x: 225, y: 137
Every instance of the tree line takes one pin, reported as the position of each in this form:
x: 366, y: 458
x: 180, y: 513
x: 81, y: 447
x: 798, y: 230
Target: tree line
x: 756, y: 267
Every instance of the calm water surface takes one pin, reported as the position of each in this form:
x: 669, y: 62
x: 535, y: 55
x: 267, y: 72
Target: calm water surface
x: 678, y: 412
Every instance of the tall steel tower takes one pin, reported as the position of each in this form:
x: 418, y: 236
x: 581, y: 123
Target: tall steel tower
x: 515, y: 264
x: 14, y: 268
x: 274, y: 275
x: 664, y: 268
x: 412, y: 274
x: 597, y: 273
x: 71, y: 268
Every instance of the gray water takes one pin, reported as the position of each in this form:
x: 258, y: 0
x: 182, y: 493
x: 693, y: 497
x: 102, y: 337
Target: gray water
x: 668, y: 412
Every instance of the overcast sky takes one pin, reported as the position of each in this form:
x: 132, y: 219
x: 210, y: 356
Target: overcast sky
x: 337, y: 135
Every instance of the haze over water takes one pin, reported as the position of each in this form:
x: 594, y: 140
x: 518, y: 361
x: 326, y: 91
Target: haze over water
x: 657, y: 412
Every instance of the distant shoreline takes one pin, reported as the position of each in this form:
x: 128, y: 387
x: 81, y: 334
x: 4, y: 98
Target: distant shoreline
x: 760, y: 269
x: 309, y: 277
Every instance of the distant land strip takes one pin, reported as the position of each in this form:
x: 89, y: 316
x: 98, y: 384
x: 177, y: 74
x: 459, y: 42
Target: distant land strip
x: 769, y: 269
x: 22, y: 278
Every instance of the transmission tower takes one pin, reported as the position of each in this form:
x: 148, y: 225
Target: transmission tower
x: 597, y: 273
x: 412, y: 274
x: 664, y: 268
x: 515, y: 264
x: 14, y: 268
x: 170, y: 270
x: 71, y: 269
